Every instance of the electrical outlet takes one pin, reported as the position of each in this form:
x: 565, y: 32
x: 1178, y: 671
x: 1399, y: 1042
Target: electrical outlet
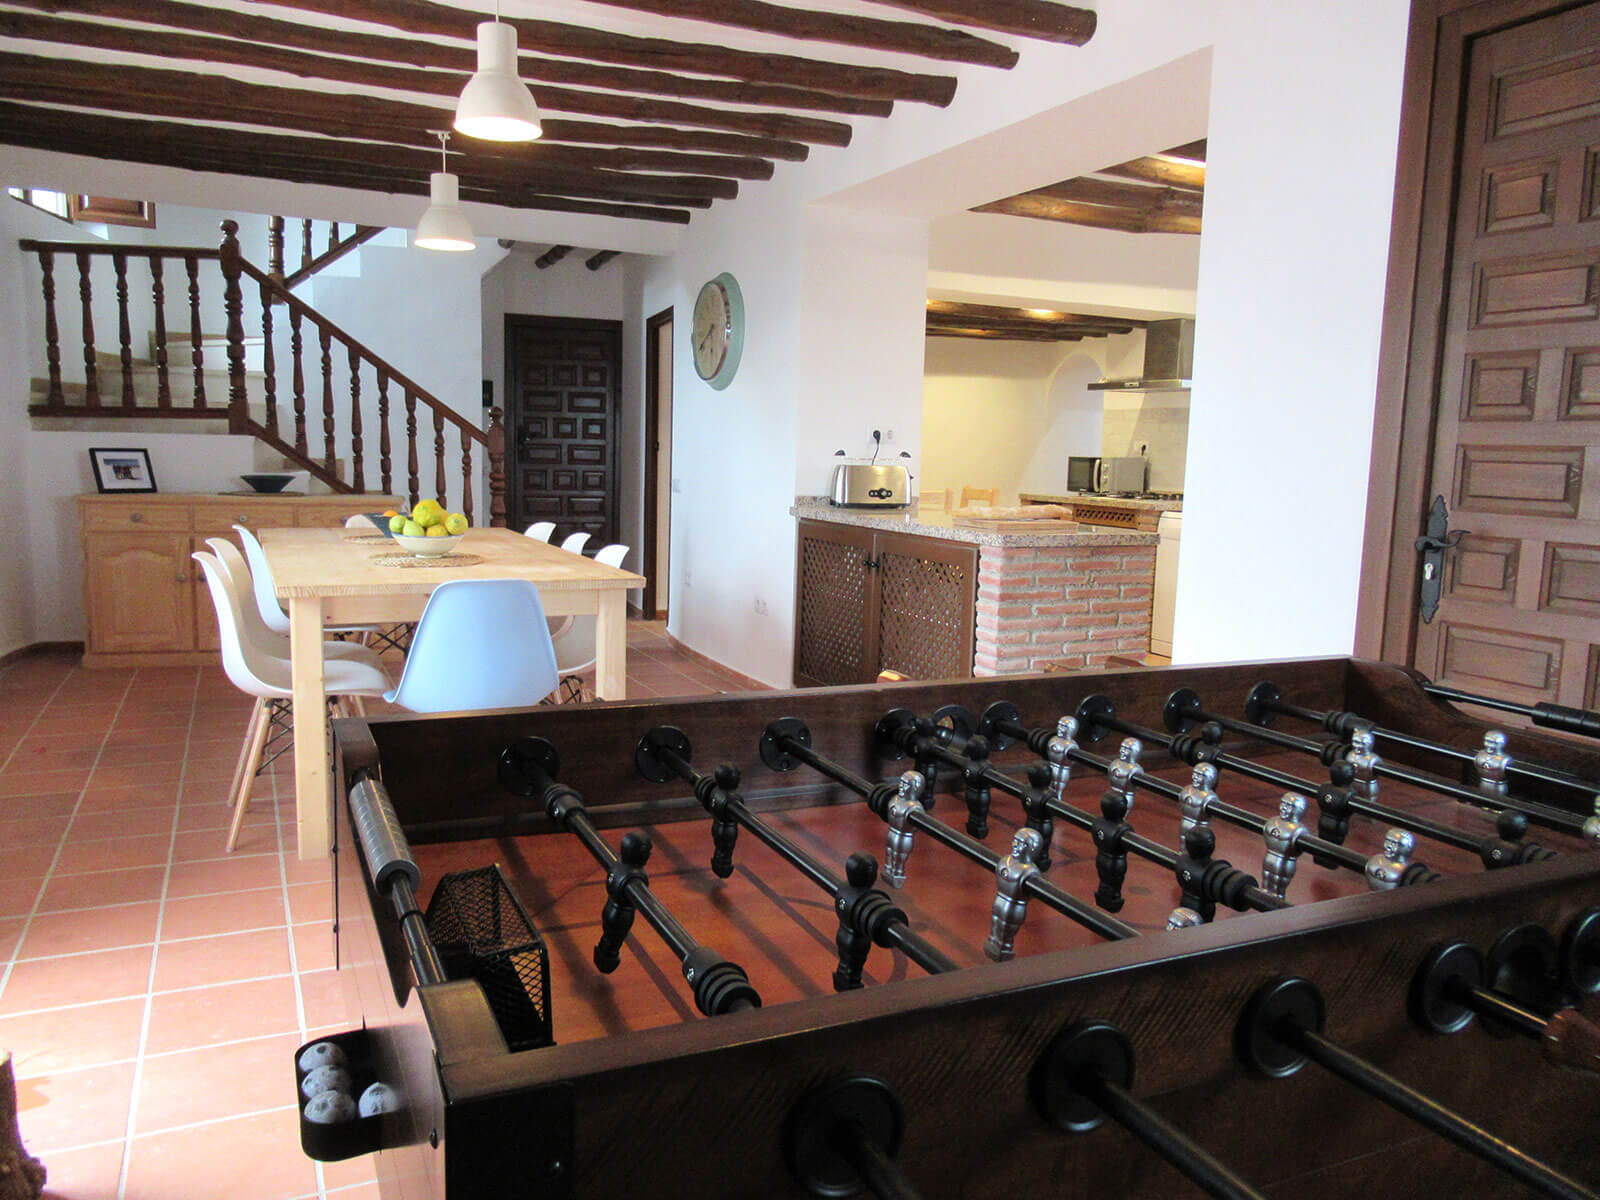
x: 888, y: 435
x: 761, y: 607
x: 688, y: 577
x: 677, y: 485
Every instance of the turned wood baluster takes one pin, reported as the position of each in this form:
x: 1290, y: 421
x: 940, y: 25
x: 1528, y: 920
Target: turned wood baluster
x: 268, y: 359
x: 495, y: 448
x: 466, y: 475
x: 119, y: 264
x: 196, y: 351
x: 329, y: 454
x: 305, y: 243
x: 275, y: 248
x: 233, y: 305
x: 52, y: 334
x: 158, y: 293
x: 411, y: 448
x: 333, y: 235
x: 440, y: 481
x: 91, y: 376
x: 383, y: 429
x: 359, y: 473
x: 299, y: 380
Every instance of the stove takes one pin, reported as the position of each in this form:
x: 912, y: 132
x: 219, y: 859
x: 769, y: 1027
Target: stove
x: 1141, y: 495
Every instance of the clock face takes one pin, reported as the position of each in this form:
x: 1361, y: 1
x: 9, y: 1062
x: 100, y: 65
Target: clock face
x: 717, y: 334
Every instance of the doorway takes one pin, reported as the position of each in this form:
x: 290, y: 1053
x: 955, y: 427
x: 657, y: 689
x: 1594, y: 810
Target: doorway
x: 562, y: 397
x: 657, y: 523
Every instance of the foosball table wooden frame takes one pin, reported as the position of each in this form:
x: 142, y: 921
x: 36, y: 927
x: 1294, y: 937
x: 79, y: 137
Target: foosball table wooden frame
x: 706, y: 1107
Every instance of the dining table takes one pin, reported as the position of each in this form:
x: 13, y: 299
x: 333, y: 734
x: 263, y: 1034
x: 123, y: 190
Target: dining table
x: 353, y: 577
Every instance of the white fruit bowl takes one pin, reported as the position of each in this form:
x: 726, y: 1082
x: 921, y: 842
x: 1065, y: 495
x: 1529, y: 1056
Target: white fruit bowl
x: 428, y: 547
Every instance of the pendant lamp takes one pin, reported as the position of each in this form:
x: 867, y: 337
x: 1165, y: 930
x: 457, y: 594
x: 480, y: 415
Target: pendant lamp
x: 496, y: 105
x: 444, y: 226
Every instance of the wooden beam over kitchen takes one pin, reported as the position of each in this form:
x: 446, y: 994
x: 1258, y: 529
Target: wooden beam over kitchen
x: 981, y: 314
x: 1168, y: 197
x: 1189, y: 176
x: 1040, y: 19
x: 595, y: 261
x: 552, y: 256
x: 1001, y: 335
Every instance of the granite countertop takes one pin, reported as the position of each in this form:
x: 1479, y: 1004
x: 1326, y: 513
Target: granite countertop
x: 940, y: 525
x: 1092, y: 498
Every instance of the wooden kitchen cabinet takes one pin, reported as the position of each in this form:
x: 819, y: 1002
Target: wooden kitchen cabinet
x: 871, y: 600
x: 145, y: 600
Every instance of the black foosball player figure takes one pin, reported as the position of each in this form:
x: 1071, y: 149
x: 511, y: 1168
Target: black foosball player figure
x: 1011, y: 898
x: 1196, y: 799
x: 1491, y: 763
x: 1386, y: 870
x: 1192, y: 868
x: 1036, y: 806
x: 902, y: 834
x: 1282, y: 835
x: 978, y: 795
x: 1110, y: 847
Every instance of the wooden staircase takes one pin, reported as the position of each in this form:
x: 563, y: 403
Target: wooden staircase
x: 180, y: 380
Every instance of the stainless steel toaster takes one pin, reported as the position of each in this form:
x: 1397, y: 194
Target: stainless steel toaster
x: 863, y: 485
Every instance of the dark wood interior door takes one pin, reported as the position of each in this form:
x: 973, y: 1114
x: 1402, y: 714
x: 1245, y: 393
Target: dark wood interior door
x: 562, y: 388
x: 1515, y: 440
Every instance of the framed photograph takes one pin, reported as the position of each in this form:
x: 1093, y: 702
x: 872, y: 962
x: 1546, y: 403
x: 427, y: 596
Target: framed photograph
x: 122, y: 470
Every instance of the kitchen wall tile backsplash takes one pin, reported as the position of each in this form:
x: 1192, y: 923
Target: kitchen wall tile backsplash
x: 1159, y: 420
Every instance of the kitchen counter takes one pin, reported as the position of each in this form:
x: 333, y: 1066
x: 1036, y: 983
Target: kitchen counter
x: 939, y: 524
x: 1116, y: 512
x: 1133, y: 502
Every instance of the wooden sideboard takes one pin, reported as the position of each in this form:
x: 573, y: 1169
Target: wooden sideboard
x: 145, y: 601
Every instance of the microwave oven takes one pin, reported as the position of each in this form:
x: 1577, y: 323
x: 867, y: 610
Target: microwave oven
x: 1083, y: 473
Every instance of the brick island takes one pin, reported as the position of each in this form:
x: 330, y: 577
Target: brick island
x: 936, y: 597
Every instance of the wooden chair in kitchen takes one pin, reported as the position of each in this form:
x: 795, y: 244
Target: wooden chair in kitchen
x: 540, y: 531
x: 574, y: 638
x: 574, y: 543
x: 934, y: 499
x: 977, y: 495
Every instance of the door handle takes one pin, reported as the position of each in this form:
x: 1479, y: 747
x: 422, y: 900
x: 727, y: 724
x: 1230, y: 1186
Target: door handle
x: 1437, y: 539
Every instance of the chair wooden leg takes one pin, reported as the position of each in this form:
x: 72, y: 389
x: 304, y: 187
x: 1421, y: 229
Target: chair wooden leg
x: 251, y: 766
x: 357, y: 705
x: 258, y: 713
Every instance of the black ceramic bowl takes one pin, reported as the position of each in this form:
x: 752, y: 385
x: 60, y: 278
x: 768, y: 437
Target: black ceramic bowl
x: 274, y: 481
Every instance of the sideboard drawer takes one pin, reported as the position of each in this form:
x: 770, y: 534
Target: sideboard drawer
x: 133, y: 515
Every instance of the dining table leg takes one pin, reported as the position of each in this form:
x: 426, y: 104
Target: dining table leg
x: 312, y: 795
x: 611, y: 645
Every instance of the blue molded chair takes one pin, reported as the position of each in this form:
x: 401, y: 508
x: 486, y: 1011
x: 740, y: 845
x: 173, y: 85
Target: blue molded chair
x: 481, y: 643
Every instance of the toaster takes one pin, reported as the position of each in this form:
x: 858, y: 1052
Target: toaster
x: 867, y: 485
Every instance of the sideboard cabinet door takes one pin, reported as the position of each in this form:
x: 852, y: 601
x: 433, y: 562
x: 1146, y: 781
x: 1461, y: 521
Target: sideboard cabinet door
x: 138, y: 592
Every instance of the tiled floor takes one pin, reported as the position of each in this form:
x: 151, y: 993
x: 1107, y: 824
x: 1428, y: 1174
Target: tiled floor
x: 151, y: 988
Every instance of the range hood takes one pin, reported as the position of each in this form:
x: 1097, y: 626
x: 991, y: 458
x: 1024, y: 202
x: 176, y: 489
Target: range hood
x: 1168, y: 360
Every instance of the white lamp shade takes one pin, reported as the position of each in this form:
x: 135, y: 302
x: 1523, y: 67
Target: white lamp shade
x: 444, y: 226
x: 496, y: 105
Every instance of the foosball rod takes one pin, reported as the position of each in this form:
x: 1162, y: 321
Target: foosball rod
x: 1266, y: 700
x: 1184, y: 705
x: 1003, y: 719
x: 867, y: 915
x: 924, y: 737
x: 1582, y: 721
x: 528, y: 768
x: 1281, y: 1029
x: 787, y: 741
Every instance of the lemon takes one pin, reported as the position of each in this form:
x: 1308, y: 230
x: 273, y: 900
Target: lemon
x: 455, y: 523
x: 397, y: 523
x: 438, y: 531
x: 428, y: 512
x: 412, y: 529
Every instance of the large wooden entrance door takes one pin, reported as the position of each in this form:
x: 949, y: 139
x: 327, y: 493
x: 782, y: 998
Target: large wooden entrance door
x: 562, y: 385
x: 1516, y: 441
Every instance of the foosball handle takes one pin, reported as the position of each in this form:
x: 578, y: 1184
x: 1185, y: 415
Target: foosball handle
x: 616, y: 918
x: 842, y: 1139
x: 1571, y: 1040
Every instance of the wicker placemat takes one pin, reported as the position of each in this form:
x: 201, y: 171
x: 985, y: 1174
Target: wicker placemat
x: 373, y: 538
x: 417, y: 560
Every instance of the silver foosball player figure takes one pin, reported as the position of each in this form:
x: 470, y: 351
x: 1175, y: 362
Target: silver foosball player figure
x: 1010, y: 909
x: 1491, y: 763
x: 1591, y: 827
x: 1183, y: 918
x: 1282, y: 835
x: 1196, y: 799
x: 1364, y: 764
x: 1386, y: 870
x: 902, y: 833
x: 1121, y: 773
x: 1058, y: 750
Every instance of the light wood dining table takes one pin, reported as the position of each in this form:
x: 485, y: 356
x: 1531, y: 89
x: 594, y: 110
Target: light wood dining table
x: 328, y: 576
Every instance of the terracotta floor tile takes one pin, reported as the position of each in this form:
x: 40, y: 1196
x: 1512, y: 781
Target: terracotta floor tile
x: 221, y: 959
x: 76, y: 979
x: 88, y: 1173
x: 23, y: 862
x: 102, y: 887
x: 349, y: 1179
x: 131, y: 720
x: 209, y: 814
x: 313, y: 947
x: 51, y: 754
x: 258, y: 1157
x: 128, y: 823
x: 102, y: 797
x: 48, y: 804
x: 310, y: 902
x: 148, y: 775
x: 18, y: 896
x: 202, y: 916
x: 229, y: 875
x: 225, y: 1013
x: 32, y: 830
x: 66, y: 1039
x: 74, y: 1108
x: 260, y: 1075
x: 92, y: 929
x: 111, y: 854
x: 323, y: 993
x: 307, y: 870
x: 142, y: 754
x: 10, y: 936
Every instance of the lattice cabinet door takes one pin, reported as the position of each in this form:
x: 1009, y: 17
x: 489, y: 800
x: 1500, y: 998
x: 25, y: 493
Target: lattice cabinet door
x: 833, y: 640
x: 927, y: 590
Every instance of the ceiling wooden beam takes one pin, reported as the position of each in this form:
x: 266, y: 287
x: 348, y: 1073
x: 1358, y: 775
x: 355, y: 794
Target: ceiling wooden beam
x: 595, y: 261
x: 600, y: 134
x: 154, y: 142
x: 576, y: 41
x: 1076, y: 331
x: 1161, y: 170
x: 979, y: 313
x: 1141, y: 198
x: 1000, y: 335
x: 1045, y: 207
x: 1194, y: 150
x: 1028, y: 18
x: 552, y: 256
x: 900, y: 37
x: 250, y: 40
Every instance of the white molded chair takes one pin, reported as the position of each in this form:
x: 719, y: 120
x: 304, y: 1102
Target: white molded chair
x: 267, y: 596
x: 269, y: 679
x: 540, y: 531
x: 359, y: 521
x: 575, y: 640
x: 481, y: 643
x: 236, y: 574
x: 574, y: 543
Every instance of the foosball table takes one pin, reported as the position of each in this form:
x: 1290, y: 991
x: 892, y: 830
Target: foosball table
x: 1245, y: 929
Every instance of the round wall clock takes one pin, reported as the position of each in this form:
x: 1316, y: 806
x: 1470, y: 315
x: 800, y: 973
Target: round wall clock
x: 717, y: 335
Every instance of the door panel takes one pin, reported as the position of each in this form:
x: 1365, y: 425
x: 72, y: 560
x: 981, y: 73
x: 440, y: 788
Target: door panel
x: 1513, y: 452
x: 562, y: 412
